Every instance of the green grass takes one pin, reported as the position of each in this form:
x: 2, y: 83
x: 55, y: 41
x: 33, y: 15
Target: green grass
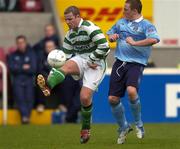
x: 103, y: 136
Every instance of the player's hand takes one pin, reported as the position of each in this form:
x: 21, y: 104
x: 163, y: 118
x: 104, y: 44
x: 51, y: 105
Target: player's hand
x: 131, y: 41
x: 113, y: 37
x: 92, y: 65
x: 26, y: 66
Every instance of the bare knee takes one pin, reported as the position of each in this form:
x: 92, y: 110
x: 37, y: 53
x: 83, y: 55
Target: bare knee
x: 66, y: 69
x: 85, y: 100
x: 86, y: 96
x: 132, y: 92
x: 70, y: 67
x: 113, y: 99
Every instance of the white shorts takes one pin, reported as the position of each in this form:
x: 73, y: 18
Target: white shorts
x: 91, y: 77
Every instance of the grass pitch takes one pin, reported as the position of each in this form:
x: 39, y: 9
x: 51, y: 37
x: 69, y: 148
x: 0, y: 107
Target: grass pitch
x: 103, y: 136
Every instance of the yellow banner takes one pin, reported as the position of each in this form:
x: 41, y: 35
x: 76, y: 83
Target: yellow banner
x: 104, y: 13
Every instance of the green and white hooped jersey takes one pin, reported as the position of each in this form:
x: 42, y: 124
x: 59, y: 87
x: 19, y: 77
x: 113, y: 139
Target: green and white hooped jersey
x: 88, y: 41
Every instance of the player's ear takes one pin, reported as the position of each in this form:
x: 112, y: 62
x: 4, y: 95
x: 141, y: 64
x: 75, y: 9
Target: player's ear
x: 135, y: 11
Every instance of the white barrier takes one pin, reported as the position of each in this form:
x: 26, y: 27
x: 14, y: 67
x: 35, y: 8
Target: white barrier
x: 5, y: 106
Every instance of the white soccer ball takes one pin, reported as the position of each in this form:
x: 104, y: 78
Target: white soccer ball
x: 56, y: 58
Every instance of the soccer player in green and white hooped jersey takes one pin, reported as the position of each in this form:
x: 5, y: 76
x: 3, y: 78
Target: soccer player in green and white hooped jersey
x: 90, y: 47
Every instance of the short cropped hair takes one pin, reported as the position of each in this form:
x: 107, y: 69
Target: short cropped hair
x: 75, y: 11
x: 135, y: 4
x: 21, y: 37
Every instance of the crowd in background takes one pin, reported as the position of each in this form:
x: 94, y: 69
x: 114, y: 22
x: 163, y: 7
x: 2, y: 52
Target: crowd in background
x: 24, y: 63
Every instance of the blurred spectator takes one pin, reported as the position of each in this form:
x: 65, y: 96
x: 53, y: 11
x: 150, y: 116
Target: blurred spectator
x: 69, y: 92
x: 30, y: 5
x: 50, y: 34
x: 66, y: 94
x: 9, y: 5
x: 22, y: 65
x: 43, y: 68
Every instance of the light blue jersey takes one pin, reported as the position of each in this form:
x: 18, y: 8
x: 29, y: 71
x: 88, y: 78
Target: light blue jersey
x: 139, y: 29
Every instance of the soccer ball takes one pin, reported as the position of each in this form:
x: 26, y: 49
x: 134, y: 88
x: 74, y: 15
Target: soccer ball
x: 56, y: 58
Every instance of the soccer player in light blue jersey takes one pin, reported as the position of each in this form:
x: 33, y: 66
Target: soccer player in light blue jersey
x: 134, y: 36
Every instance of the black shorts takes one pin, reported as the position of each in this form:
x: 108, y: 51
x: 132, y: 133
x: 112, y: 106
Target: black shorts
x: 124, y: 74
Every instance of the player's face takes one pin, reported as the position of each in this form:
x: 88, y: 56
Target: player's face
x: 72, y: 20
x: 128, y: 13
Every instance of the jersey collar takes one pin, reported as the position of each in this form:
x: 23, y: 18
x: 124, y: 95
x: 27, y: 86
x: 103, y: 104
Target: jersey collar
x: 138, y: 20
x: 81, y: 21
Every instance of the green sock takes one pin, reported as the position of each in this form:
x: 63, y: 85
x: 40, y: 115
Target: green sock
x: 55, y: 77
x: 86, y: 116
